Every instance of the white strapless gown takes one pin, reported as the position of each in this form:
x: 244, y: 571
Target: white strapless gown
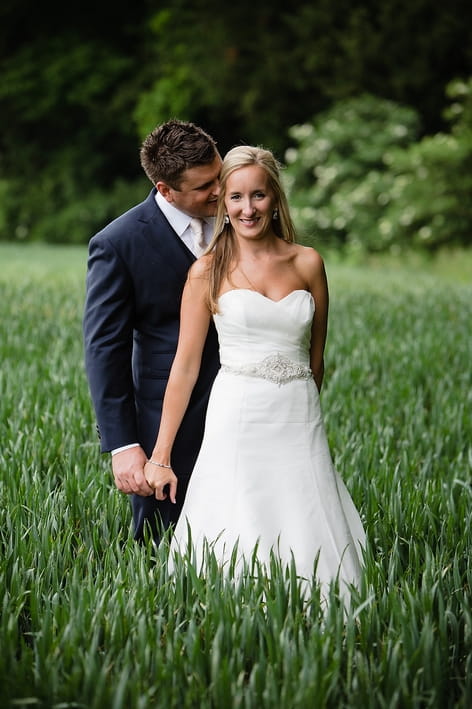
x: 264, y: 473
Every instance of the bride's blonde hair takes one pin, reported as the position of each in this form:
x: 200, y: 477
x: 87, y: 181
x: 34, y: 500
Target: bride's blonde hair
x: 223, y: 246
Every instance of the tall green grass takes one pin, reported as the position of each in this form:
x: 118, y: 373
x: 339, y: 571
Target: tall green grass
x: 89, y: 619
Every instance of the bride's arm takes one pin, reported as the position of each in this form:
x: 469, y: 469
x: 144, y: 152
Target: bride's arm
x: 194, y: 322
x: 319, y: 290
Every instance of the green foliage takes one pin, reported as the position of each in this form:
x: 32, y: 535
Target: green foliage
x: 336, y: 177
x: 359, y: 178
x: 64, y: 148
x: 431, y: 202
x: 91, y: 619
x: 53, y: 214
x: 60, y: 206
x: 81, y: 86
x: 251, y: 83
x: 431, y: 195
x: 459, y: 111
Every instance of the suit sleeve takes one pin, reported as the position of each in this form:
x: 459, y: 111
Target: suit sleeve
x: 108, y: 342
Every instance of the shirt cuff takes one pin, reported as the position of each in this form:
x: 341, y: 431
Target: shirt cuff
x: 124, y: 448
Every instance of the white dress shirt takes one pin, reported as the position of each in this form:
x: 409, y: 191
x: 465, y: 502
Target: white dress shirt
x: 180, y: 222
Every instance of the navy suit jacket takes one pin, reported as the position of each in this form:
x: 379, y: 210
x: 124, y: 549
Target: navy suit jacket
x: 137, y: 269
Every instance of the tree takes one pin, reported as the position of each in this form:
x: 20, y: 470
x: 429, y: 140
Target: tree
x: 82, y: 84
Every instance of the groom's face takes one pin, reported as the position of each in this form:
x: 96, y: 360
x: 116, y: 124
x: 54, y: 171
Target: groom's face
x: 198, y: 190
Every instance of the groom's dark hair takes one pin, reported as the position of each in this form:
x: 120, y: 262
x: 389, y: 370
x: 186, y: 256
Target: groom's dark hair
x: 174, y: 147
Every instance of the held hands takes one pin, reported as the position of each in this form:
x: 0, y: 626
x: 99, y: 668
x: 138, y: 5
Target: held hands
x: 158, y: 476
x: 128, y: 471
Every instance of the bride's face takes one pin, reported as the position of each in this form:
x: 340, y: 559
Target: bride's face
x: 249, y: 202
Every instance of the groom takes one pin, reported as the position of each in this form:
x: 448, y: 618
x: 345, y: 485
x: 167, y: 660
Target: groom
x: 136, y: 271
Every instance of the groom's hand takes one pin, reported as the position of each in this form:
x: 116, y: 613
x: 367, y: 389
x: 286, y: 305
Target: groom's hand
x: 128, y: 471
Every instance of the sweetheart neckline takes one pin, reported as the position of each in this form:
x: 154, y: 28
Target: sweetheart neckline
x: 266, y: 297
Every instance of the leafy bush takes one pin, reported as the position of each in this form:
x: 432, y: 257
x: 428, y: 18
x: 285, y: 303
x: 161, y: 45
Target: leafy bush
x: 359, y: 178
x: 431, y: 202
x: 336, y: 177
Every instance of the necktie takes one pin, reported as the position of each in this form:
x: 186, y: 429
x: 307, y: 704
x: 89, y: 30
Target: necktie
x: 196, y: 226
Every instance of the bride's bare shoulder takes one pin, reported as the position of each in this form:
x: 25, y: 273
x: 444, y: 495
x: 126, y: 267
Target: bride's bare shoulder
x: 308, y: 259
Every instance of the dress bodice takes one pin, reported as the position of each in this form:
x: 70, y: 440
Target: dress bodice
x: 252, y: 327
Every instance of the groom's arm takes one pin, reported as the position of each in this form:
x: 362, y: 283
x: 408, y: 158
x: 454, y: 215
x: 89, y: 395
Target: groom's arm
x: 108, y: 342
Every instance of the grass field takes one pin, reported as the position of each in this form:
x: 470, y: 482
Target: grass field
x: 89, y: 619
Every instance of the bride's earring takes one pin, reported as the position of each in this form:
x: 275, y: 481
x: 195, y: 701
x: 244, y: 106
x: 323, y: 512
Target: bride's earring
x: 226, y: 219
x: 275, y: 215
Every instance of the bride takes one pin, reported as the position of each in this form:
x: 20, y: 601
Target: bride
x: 264, y: 478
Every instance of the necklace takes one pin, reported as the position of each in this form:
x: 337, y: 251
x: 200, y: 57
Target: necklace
x: 247, y: 278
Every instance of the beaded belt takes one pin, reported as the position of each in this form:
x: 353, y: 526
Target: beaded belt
x: 275, y: 368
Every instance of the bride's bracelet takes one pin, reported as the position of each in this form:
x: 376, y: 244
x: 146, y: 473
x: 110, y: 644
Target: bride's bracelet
x: 159, y: 465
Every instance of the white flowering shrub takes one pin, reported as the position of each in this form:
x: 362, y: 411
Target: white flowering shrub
x: 358, y: 177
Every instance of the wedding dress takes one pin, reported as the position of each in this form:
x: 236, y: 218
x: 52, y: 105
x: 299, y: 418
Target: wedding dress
x: 264, y: 473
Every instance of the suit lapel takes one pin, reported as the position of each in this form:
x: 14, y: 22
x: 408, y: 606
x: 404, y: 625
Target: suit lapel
x: 163, y: 239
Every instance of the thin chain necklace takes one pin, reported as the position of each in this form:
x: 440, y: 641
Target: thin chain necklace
x: 253, y: 287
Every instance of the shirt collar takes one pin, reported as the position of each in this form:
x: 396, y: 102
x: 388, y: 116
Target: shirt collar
x: 178, y: 220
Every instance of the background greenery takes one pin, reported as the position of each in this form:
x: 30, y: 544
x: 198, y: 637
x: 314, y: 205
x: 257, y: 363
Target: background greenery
x: 90, y: 619
x: 372, y: 101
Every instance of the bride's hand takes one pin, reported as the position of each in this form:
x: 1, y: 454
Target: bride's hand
x: 158, y: 478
